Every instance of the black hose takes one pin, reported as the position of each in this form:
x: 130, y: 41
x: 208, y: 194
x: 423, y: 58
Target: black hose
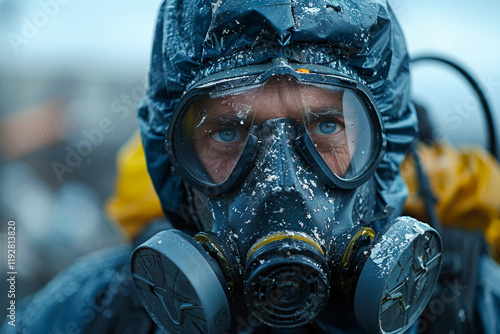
x: 492, y: 135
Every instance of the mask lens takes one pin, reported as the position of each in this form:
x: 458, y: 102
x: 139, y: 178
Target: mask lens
x: 339, y: 125
x: 216, y: 126
x: 214, y: 132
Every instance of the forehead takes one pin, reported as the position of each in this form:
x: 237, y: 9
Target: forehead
x: 277, y: 97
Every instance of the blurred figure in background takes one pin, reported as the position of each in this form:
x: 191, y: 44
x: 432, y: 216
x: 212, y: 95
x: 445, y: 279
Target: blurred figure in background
x: 62, y: 119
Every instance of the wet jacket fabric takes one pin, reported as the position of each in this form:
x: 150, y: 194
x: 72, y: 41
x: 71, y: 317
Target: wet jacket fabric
x: 196, y: 38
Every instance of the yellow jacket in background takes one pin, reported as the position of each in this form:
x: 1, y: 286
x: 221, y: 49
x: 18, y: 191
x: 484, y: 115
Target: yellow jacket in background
x: 134, y: 203
x: 466, y: 184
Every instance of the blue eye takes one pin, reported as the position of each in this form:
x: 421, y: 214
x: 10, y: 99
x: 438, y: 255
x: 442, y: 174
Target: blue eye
x: 326, y: 128
x: 227, y: 135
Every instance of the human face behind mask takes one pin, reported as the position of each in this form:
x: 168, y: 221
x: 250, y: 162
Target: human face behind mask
x: 335, y: 126
x: 223, y: 128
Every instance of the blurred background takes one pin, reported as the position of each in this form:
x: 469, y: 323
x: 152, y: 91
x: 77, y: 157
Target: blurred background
x: 72, y: 73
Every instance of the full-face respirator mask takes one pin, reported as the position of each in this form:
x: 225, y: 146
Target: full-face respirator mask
x: 283, y: 156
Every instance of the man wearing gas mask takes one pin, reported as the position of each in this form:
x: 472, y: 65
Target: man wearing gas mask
x: 281, y: 126
x: 273, y: 133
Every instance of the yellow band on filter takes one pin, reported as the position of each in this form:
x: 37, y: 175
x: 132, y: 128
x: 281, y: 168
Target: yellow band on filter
x: 280, y: 236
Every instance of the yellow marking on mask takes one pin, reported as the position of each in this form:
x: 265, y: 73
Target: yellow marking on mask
x: 348, y: 251
x: 280, y: 236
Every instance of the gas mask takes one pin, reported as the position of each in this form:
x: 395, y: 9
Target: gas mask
x: 282, y: 157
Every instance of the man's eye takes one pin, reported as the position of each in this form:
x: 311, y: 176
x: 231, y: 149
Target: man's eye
x: 228, y: 135
x: 326, y: 128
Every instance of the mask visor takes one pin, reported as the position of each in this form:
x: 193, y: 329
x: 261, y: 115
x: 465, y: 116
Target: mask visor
x: 215, y: 130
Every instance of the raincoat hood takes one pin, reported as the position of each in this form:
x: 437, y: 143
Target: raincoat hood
x: 194, y: 39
